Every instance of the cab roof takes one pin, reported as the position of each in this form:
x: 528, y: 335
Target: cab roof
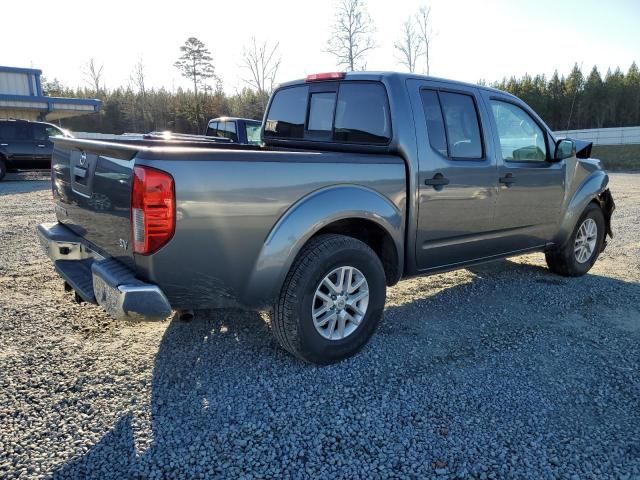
x: 380, y: 75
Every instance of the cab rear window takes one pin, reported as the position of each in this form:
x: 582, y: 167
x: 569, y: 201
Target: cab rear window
x: 348, y: 112
x: 287, y: 113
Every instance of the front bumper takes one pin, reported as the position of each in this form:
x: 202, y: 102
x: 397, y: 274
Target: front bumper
x: 101, y: 280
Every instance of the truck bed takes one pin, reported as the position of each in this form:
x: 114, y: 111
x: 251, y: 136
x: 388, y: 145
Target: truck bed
x: 229, y: 199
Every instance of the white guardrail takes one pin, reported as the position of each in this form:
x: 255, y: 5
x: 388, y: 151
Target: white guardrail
x: 604, y: 136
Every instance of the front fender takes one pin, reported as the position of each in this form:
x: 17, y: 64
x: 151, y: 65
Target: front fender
x: 590, y: 189
x: 303, y: 220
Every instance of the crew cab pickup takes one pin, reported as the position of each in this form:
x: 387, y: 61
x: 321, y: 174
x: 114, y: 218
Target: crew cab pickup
x: 237, y: 130
x: 361, y: 179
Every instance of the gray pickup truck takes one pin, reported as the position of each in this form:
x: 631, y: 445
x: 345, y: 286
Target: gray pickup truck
x: 362, y: 179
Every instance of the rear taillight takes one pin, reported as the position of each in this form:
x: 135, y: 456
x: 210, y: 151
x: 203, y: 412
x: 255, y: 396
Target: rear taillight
x: 153, y: 209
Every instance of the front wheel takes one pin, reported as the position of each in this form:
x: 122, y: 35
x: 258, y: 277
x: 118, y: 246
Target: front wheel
x: 581, y: 251
x: 331, y: 301
x: 3, y: 168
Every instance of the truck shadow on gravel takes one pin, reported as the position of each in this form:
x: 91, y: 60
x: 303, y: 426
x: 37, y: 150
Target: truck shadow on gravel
x: 226, y: 401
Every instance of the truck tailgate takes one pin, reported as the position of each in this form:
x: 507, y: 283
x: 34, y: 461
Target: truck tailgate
x: 92, y: 193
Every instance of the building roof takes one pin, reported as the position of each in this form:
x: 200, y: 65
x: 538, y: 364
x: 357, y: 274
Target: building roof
x: 21, y: 96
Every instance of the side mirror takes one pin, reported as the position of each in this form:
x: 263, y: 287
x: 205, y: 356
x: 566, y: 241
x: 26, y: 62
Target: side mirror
x: 565, y: 148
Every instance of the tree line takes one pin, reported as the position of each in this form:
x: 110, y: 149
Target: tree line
x: 578, y: 101
x: 570, y: 102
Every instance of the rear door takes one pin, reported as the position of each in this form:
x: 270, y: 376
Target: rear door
x: 531, y: 187
x: 16, y: 139
x: 457, y: 178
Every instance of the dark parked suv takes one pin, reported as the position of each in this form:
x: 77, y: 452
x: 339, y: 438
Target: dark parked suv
x: 25, y: 144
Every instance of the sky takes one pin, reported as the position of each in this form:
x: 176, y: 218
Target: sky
x: 484, y: 39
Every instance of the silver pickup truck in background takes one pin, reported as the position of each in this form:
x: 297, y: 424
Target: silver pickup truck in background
x: 362, y: 179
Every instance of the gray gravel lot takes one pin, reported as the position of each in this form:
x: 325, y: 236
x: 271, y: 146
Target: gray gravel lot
x: 499, y: 371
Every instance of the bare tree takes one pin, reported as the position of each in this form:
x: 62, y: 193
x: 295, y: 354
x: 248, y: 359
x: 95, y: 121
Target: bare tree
x: 425, y: 31
x: 409, y: 46
x: 93, y: 74
x: 351, y: 37
x: 138, y: 80
x: 138, y: 77
x: 263, y: 61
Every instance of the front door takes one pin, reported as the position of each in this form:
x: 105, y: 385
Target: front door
x: 457, y: 179
x: 531, y: 186
x: 42, y: 144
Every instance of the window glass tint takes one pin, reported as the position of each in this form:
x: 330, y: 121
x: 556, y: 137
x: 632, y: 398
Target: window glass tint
x: 39, y: 132
x: 54, y: 132
x: 521, y: 139
x: 362, y: 114
x: 321, y: 111
x: 22, y: 132
x: 7, y: 132
x: 228, y: 130
x: 463, y: 131
x: 253, y: 133
x: 435, y: 124
x: 287, y: 113
x: 212, y: 129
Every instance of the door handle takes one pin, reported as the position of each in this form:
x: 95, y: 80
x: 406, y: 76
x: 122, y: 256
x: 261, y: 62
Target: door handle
x: 508, y: 179
x: 41, y: 146
x: 4, y: 144
x: 437, y: 182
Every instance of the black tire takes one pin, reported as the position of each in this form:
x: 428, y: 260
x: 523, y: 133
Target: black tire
x: 293, y: 324
x: 563, y: 261
x: 3, y: 168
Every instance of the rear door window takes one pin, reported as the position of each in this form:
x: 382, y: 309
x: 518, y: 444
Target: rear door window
x: 435, y: 122
x: 23, y: 132
x: 212, y: 129
x: 463, y: 129
x: 8, y: 131
x: 228, y: 130
x: 287, y: 113
x: 453, y: 124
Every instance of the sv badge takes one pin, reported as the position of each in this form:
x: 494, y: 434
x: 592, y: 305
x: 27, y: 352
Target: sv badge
x: 124, y: 244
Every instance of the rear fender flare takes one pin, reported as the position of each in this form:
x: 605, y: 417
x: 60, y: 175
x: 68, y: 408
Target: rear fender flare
x: 303, y: 220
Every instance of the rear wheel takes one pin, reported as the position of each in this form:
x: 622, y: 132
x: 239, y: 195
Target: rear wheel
x: 331, y: 301
x: 581, y: 251
x: 3, y: 168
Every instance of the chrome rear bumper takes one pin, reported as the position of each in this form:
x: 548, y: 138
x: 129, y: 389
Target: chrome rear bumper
x: 101, y: 280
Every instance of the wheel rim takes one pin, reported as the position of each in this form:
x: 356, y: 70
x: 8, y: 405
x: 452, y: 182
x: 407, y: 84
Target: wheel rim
x: 340, y: 303
x: 586, y: 239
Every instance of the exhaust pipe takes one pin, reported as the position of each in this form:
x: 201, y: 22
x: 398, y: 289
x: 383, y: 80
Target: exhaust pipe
x: 186, y: 315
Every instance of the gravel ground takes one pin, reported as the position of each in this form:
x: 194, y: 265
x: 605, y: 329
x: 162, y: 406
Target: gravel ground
x: 499, y: 371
